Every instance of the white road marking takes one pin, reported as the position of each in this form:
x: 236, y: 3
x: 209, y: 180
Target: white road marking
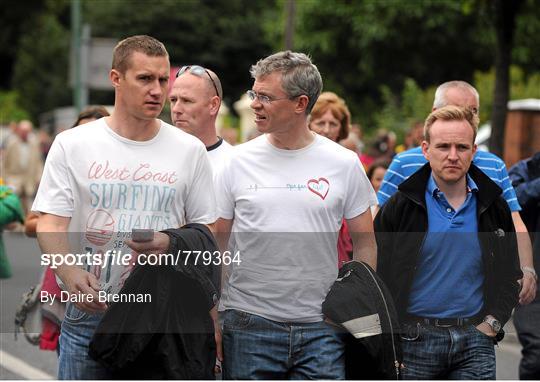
x: 21, y: 368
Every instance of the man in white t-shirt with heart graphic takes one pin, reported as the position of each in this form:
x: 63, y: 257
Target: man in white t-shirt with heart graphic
x: 282, y: 198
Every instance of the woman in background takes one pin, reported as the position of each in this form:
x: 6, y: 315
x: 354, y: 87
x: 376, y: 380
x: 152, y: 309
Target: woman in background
x: 331, y: 118
x: 376, y: 171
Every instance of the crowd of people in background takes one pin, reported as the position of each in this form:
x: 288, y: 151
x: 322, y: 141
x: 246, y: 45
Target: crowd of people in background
x: 298, y: 132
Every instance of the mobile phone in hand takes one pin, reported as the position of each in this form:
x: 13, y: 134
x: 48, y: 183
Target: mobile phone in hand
x: 141, y: 235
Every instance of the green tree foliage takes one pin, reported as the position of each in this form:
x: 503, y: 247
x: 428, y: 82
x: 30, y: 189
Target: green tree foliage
x: 362, y: 47
x: 400, y: 111
x: 224, y: 35
x: 521, y: 86
x: 16, y: 17
x: 41, y: 68
x: 10, y: 109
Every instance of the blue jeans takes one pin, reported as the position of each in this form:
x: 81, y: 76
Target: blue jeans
x: 257, y: 348
x: 74, y: 362
x: 447, y: 353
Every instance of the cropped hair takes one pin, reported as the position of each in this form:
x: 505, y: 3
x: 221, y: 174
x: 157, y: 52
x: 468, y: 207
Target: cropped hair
x: 140, y: 43
x: 299, y: 75
x: 337, y: 106
x: 440, y: 94
x: 451, y: 113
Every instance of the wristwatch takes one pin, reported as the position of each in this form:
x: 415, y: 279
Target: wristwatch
x: 494, y: 323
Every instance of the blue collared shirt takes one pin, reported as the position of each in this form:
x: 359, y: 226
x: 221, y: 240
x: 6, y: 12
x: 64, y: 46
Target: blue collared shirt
x: 449, y: 275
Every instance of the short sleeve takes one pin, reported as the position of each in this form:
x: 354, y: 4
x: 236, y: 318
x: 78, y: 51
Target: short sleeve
x: 224, y: 196
x: 360, y: 193
x: 200, y: 204
x: 392, y: 179
x: 55, y: 192
x: 509, y: 193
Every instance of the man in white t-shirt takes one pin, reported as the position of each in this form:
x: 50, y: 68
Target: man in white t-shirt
x: 195, y: 101
x: 283, y: 196
x: 102, y: 179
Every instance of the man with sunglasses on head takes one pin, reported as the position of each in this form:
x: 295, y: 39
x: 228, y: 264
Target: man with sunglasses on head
x: 103, y: 179
x: 195, y: 101
x: 461, y: 93
x: 283, y: 196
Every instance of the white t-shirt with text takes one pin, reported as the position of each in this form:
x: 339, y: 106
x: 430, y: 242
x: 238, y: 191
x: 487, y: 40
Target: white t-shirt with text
x: 108, y: 185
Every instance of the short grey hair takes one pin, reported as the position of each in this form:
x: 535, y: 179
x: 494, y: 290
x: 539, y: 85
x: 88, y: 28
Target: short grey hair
x: 299, y: 75
x: 440, y: 93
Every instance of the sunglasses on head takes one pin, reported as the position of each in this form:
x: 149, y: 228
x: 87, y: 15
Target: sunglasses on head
x: 198, y: 71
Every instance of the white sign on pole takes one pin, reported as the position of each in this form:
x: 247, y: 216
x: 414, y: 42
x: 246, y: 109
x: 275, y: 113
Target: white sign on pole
x: 100, y: 53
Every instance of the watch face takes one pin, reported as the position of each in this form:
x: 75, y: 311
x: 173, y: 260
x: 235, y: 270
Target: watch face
x: 496, y: 325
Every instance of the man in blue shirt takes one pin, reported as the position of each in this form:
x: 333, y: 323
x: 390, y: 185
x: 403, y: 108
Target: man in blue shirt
x: 448, y: 254
x: 460, y: 93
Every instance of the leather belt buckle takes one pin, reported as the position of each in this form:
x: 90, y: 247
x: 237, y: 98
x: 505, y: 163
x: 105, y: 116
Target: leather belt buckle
x: 441, y: 323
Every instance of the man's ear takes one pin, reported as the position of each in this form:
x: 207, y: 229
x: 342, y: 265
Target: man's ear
x: 114, y: 76
x: 425, y: 147
x: 215, y: 104
x: 301, y: 104
x: 474, y: 148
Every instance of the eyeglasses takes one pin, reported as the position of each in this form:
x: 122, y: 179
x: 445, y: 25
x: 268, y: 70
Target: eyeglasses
x: 264, y: 98
x: 198, y: 71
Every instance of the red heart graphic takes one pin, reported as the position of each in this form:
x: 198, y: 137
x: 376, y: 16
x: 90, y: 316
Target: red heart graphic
x: 315, y: 189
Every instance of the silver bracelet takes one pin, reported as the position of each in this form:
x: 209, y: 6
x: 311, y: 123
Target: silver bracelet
x: 531, y: 271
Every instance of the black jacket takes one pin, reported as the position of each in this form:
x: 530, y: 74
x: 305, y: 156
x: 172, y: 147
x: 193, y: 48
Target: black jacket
x: 172, y: 336
x: 401, y: 227
x: 360, y: 302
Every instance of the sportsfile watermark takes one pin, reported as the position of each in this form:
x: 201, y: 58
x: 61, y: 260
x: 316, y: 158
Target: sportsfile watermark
x: 117, y: 257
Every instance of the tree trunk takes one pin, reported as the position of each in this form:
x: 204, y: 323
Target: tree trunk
x: 504, y: 15
x: 290, y: 16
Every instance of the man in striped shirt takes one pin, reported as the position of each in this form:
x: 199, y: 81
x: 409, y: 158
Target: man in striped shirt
x: 460, y: 93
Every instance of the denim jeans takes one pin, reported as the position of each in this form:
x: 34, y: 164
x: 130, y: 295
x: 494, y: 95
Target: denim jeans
x: 257, y: 348
x: 447, y: 353
x: 74, y: 362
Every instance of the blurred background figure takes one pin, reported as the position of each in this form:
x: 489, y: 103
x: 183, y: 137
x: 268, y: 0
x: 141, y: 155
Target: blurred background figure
x: 10, y: 212
x: 6, y: 136
x: 525, y: 177
x: 90, y: 114
x: 330, y: 117
x: 45, y: 142
x: 383, y: 147
x: 22, y: 163
x: 413, y: 138
x: 376, y: 171
x: 354, y: 139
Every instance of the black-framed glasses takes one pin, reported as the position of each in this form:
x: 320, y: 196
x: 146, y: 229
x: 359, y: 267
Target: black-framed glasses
x: 264, y: 98
x: 198, y: 71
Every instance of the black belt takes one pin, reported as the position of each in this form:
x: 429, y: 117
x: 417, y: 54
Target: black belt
x: 446, y: 322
